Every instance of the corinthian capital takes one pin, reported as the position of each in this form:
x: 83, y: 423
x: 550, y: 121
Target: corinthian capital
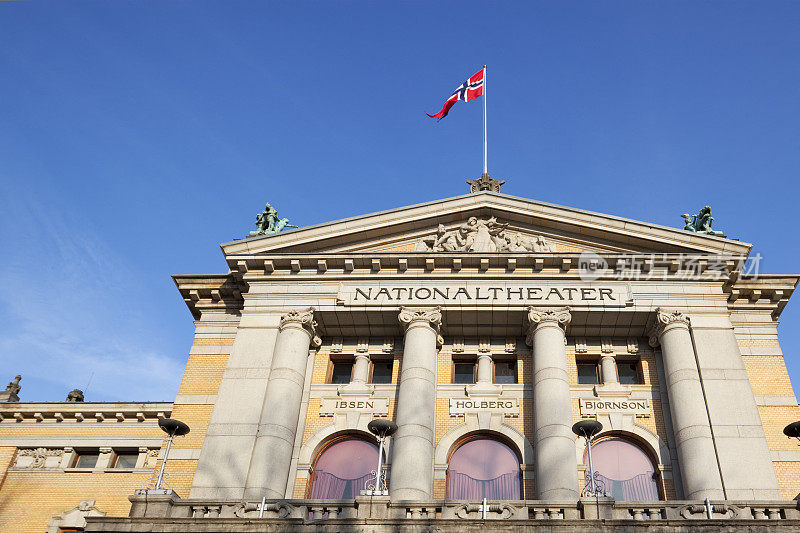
x: 431, y: 316
x: 304, y: 319
x: 665, y: 318
x: 554, y: 316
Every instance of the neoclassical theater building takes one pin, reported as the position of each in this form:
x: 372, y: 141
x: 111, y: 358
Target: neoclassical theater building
x: 484, y: 326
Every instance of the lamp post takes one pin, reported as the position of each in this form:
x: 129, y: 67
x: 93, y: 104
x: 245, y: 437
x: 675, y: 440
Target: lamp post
x: 793, y: 431
x: 172, y: 428
x: 588, y: 429
x: 383, y: 429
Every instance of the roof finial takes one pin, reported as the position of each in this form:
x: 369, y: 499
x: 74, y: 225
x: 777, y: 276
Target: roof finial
x: 485, y: 183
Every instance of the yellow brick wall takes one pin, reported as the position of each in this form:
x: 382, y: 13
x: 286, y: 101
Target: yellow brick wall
x: 774, y: 419
x: 444, y: 364
x: 197, y: 418
x: 203, y: 374
x: 768, y: 375
x: 445, y: 422
x: 7, y: 454
x: 409, y: 247
x: 300, y: 486
x: 29, y: 500
x: 313, y: 420
x: 788, y: 473
x: 439, y: 489
x: 180, y: 474
x: 319, y: 372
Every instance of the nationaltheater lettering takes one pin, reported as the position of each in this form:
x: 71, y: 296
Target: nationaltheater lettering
x: 523, y: 294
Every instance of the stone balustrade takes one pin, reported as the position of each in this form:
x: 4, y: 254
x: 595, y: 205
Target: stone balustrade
x: 381, y: 510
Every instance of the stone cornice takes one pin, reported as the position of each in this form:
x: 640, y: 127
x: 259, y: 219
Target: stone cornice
x: 213, y: 293
x: 109, y: 412
x: 645, y: 266
x: 770, y: 292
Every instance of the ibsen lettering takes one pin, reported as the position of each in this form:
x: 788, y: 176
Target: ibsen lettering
x: 355, y: 404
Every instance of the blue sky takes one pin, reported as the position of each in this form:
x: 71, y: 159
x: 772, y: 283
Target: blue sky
x: 137, y: 136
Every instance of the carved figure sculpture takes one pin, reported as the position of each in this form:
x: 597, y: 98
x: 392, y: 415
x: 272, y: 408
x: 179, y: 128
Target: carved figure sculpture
x: 11, y: 392
x: 267, y: 222
x: 476, y: 235
x: 700, y: 223
x: 13, y: 386
x: 76, y: 395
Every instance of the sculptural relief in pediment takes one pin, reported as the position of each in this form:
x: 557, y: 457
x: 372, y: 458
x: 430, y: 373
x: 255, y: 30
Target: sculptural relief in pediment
x: 476, y: 235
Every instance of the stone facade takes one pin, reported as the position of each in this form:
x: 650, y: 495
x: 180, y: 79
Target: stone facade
x: 710, y: 397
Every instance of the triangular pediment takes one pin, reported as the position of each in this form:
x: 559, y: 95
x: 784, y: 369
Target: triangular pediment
x: 448, y: 225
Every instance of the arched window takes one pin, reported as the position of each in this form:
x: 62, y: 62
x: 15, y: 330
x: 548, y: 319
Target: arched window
x: 624, y: 470
x: 482, y: 467
x: 343, y: 468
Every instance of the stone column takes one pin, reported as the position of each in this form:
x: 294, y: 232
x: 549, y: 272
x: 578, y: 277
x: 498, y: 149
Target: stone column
x: 555, y: 465
x: 484, y: 373
x: 272, y: 453
x: 697, y: 458
x: 361, y: 367
x: 412, y: 446
x: 608, y: 369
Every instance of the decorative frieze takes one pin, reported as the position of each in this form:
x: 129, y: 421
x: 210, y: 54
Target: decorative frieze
x: 39, y: 458
x: 482, y: 236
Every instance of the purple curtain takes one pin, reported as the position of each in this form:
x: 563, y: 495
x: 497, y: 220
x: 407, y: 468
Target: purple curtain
x: 327, y: 486
x: 624, y: 470
x: 341, y: 471
x: 641, y: 488
x: 465, y: 487
x: 483, y: 468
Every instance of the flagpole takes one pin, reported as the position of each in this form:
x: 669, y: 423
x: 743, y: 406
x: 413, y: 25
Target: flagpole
x: 484, y: 121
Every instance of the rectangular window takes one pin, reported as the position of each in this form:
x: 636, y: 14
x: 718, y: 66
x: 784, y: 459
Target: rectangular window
x: 463, y: 372
x: 125, y: 460
x: 86, y: 459
x: 587, y: 373
x: 629, y: 373
x: 505, y: 372
x: 382, y: 372
x: 341, y: 373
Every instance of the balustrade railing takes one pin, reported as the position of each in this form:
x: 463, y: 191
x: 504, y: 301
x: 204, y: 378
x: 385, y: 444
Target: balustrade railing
x: 366, y: 507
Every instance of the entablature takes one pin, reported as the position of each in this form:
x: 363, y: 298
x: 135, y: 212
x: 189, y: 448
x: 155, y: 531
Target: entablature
x: 75, y: 412
x: 594, y: 266
x: 764, y: 292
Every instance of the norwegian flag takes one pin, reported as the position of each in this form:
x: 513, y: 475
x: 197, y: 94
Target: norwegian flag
x: 469, y: 90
